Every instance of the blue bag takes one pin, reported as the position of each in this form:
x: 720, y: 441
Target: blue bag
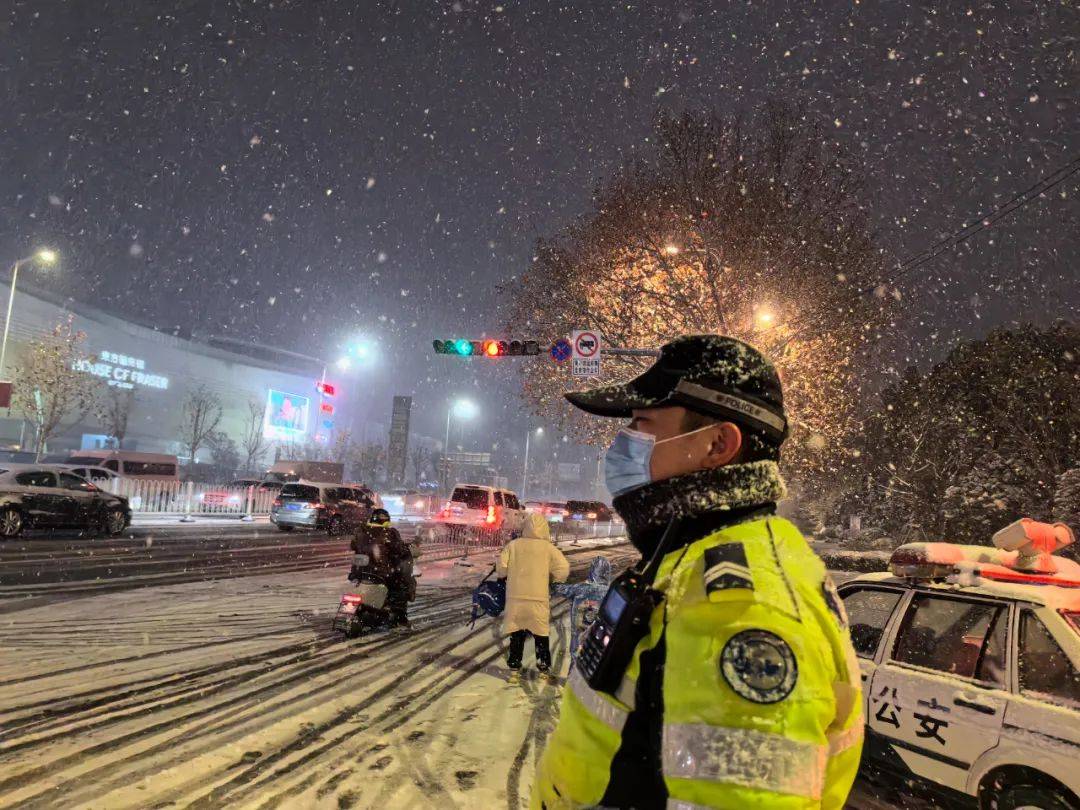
x: 488, y: 598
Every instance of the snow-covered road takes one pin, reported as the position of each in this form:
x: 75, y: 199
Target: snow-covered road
x: 236, y: 692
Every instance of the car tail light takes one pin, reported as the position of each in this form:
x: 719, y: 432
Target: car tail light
x: 352, y: 599
x: 591, y: 516
x: 277, y: 501
x: 491, y: 514
x: 315, y: 505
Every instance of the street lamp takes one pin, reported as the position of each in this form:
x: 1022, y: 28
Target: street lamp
x: 764, y: 317
x: 463, y: 409
x: 525, y: 473
x: 43, y: 256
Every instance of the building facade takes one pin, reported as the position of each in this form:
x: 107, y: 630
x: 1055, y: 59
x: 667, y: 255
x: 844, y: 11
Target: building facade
x: 161, y: 370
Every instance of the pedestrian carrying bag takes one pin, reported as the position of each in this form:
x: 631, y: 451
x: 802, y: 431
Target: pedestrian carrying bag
x: 488, y: 598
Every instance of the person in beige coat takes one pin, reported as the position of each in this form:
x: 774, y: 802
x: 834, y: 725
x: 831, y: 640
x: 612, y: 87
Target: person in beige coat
x: 530, y: 564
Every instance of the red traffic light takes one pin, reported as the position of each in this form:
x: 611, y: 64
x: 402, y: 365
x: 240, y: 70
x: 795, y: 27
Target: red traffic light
x: 327, y: 408
x: 326, y: 389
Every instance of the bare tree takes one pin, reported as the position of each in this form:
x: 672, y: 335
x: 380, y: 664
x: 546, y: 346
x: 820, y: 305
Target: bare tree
x: 55, y: 383
x: 253, y: 441
x: 343, y: 448
x: 419, y: 459
x: 201, y: 416
x: 370, y: 462
x: 114, y: 411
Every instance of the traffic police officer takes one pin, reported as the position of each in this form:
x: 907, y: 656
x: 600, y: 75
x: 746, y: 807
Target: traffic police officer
x: 743, y: 688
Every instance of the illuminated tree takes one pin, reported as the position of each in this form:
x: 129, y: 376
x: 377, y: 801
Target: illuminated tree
x: 754, y: 230
x: 50, y: 389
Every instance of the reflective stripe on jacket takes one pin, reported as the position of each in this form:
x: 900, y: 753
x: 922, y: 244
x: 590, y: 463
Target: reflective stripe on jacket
x: 761, y: 704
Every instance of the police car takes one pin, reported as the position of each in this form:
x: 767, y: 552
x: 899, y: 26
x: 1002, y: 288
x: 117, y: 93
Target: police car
x: 970, y: 665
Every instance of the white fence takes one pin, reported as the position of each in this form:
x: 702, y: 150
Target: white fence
x: 176, y: 498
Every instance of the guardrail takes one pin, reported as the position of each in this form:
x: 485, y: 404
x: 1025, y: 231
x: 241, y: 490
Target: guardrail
x: 466, y: 539
x: 177, y: 498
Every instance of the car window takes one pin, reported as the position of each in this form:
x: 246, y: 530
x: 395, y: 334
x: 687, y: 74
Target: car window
x: 97, y: 475
x: 1046, y: 673
x: 946, y: 635
x: 512, y: 501
x: 36, y: 478
x: 993, y: 665
x: 145, y: 467
x: 498, y: 498
x: 360, y: 496
x: 299, y: 492
x: 472, y: 497
x: 868, y: 611
x: 69, y: 481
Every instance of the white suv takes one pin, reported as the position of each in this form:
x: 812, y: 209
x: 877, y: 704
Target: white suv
x: 970, y: 663
x: 483, y: 508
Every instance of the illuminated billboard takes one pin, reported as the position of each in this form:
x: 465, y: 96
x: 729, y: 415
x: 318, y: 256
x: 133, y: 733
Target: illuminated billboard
x: 286, y: 415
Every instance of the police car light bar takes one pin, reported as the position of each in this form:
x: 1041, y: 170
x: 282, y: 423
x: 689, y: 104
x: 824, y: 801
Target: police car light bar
x: 923, y: 561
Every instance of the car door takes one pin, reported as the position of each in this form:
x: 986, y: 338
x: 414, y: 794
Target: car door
x: 937, y: 700
x: 870, y: 610
x: 48, y: 504
x: 1045, y: 711
x: 85, y: 504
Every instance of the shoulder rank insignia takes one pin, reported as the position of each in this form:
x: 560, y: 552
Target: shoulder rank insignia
x: 725, y: 567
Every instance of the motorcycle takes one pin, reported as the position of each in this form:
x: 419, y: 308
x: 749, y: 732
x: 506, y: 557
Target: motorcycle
x: 363, y: 608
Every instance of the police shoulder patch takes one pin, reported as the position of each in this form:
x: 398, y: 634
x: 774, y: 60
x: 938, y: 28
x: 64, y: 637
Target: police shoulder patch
x: 759, y: 666
x: 726, y: 567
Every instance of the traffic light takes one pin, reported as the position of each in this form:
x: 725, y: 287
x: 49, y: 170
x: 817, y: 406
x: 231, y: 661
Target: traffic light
x: 327, y: 409
x: 486, y: 348
x: 325, y: 388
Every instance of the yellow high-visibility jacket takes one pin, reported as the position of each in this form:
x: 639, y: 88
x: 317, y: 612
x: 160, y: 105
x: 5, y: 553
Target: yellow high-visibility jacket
x: 749, y: 692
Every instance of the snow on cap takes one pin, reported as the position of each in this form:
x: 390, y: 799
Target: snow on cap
x: 711, y: 374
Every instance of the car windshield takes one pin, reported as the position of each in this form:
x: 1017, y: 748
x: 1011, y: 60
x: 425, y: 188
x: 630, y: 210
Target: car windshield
x: 471, y: 497
x: 299, y: 492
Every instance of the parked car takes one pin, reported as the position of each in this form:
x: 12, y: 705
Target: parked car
x: 970, y: 664
x: 129, y: 463
x: 98, y: 476
x: 293, y: 471
x: 38, y: 497
x: 333, y: 507
x: 403, y: 502
x: 553, y: 511
x: 482, y: 508
x: 588, y: 511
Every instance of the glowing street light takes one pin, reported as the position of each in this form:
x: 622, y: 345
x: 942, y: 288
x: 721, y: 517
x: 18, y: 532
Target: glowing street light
x: 671, y: 250
x: 462, y: 409
x: 44, y: 256
x: 764, y: 317
x: 525, y: 472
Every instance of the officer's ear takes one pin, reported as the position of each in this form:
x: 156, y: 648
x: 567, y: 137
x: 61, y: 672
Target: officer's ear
x: 725, y: 442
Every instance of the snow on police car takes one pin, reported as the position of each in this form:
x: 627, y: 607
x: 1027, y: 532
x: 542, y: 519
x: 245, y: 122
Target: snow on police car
x: 970, y: 663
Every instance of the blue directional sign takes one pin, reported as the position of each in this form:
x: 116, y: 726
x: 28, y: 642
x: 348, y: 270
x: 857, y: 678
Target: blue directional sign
x: 561, y: 350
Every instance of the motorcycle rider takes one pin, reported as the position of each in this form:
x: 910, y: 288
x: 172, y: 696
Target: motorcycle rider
x: 390, y: 558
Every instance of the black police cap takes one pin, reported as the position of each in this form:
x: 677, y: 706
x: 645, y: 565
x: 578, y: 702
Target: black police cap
x: 710, y: 374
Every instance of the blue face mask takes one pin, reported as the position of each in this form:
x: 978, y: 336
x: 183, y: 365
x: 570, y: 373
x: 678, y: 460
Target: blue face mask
x: 627, y: 464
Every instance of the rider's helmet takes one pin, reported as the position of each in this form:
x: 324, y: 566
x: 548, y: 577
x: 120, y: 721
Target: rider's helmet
x: 380, y: 517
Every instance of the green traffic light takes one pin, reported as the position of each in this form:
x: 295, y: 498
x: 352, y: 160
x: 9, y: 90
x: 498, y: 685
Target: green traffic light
x: 463, y: 347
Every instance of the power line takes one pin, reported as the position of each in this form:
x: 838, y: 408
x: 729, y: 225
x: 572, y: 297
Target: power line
x: 962, y: 234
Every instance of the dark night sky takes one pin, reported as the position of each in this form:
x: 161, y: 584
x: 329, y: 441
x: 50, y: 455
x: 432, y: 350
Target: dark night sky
x: 302, y: 171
